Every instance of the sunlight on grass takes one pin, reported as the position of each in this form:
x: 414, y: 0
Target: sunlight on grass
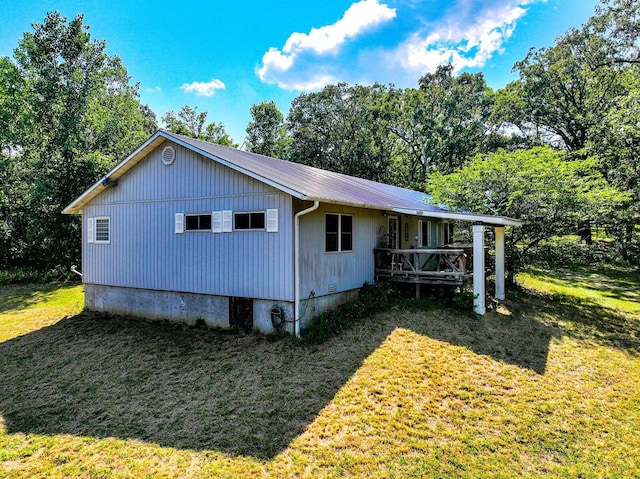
x: 606, y: 288
x: 404, y: 394
x: 26, y: 308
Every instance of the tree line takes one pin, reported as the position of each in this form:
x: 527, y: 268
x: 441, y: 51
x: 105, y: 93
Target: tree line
x: 557, y: 148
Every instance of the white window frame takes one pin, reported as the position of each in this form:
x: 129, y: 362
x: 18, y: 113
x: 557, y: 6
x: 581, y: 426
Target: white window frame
x: 340, y: 248
x: 423, y: 243
x: 96, y: 240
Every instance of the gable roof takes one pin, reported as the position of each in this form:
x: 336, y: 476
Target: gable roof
x: 300, y: 181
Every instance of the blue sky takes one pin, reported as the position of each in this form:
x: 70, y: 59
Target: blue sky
x: 224, y: 56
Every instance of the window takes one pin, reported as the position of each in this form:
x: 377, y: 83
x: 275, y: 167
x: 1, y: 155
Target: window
x: 446, y: 232
x: 425, y: 234
x: 249, y: 221
x: 197, y: 222
x: 338, y: 233
x: 102, y: 232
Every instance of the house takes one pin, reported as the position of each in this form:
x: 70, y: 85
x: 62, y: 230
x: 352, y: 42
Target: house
x: 184, y: 229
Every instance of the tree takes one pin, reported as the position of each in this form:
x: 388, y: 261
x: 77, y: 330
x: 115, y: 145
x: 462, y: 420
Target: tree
x: 559, y: 97
x: 266, y: 134
x: 344, y: 129
x: 216, y: 133
x: 457, y: 110
x: 189, y: 122
x: 76, y: 115
x: 541, y: 187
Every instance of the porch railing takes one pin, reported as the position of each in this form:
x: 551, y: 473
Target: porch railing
x: 446, y: 266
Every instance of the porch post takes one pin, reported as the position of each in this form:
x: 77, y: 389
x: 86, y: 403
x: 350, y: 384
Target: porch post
x: 478, y: 269
x: 499, y: 233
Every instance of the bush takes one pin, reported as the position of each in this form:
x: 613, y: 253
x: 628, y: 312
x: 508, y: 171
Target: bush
x: 29, y: 275
x: 567, y: 251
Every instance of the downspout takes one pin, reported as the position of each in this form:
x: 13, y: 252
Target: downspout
x: 296, y: 266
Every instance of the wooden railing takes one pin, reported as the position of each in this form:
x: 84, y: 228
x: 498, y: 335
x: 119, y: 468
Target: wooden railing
x: 447, y: 266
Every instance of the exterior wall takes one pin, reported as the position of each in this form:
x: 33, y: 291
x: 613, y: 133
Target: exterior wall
x: 146, y: 253
x: 326, y: 273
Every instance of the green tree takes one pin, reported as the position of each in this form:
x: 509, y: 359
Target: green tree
x: 216, y: 133
x: 189, y: 122
x: 560, y: 97
x: 75, y: 117
x: 344, y: 129
x: 541, y: 187
x: 266, y: 134
x: 457, y: 110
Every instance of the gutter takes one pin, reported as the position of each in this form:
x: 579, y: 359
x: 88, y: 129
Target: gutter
x: 296, y: 259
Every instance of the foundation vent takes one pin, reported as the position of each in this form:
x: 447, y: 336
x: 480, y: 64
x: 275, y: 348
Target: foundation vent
x: 333, y: 288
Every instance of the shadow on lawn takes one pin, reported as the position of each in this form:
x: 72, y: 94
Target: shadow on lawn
x: 107, y: 376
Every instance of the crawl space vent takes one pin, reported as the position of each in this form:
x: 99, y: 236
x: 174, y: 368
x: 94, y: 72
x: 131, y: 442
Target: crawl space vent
x: 168, y: 155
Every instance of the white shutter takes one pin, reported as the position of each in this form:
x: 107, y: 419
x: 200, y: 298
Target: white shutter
x: 227, y: 221
x: 272, y: 221
x: 90, y: 230
x: 179, y: 223
x: 216, y: 221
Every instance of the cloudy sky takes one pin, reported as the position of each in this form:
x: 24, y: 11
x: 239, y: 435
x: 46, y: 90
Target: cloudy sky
x: 225, y: 56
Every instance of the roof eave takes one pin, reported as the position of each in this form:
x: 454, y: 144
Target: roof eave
x: 484, y: 219
x: 116, y: 172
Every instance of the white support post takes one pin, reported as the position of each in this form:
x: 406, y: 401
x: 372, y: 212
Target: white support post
x: 499, y: 233
x: 478, y: 269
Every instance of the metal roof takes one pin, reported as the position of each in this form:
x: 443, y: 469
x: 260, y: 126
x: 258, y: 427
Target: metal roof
x: 301, y: 181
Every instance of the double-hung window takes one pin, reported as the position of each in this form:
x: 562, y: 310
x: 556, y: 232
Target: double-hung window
x: 338, y: 232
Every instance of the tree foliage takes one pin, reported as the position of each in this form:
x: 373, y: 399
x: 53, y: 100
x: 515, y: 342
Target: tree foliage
x: 550, y: 193
x: 343, y: 128
x: 189, y: 122
x: 266, y: 134
x: 72, y: 115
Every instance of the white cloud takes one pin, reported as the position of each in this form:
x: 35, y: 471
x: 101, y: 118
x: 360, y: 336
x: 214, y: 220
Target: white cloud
x: 202, y: 88
x: 467, y: 39
x: 358, y: 18
x: 155, y: 89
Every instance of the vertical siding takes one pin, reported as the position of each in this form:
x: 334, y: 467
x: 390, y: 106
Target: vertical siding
x: 345, y: 270
x: 145, y: 251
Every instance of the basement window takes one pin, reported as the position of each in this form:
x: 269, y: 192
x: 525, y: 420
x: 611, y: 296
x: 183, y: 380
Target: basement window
x: 338, y: 233
x: 197, y: 222
x: 249, y: 221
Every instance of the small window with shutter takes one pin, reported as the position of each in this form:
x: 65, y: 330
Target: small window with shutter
x: 102, y: 234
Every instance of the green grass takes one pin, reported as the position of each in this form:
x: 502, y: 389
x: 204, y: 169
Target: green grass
x: 547, y: 384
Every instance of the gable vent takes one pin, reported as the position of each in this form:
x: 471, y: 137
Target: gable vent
x: 168, y: 155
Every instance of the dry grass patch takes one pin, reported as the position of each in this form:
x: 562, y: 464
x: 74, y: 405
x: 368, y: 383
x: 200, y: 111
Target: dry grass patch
x: 404, y: 394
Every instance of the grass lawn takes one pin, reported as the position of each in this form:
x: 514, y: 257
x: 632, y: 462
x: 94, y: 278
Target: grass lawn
x: 548, y: 384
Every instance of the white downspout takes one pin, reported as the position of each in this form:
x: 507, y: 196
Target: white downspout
x: 296, y: 266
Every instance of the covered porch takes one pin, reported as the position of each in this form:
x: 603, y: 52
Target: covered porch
x: 437, y: 262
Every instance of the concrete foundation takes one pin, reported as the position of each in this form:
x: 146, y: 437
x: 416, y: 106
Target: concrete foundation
x: 189, y: 307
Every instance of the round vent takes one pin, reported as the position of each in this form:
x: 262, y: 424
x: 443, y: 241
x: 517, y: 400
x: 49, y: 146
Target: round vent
x: 168, y: 155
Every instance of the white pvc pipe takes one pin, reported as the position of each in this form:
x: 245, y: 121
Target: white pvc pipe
x: 296, y: 266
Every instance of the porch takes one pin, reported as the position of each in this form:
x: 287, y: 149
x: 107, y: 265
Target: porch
x: 440, y: 266
x: 449, y: 266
